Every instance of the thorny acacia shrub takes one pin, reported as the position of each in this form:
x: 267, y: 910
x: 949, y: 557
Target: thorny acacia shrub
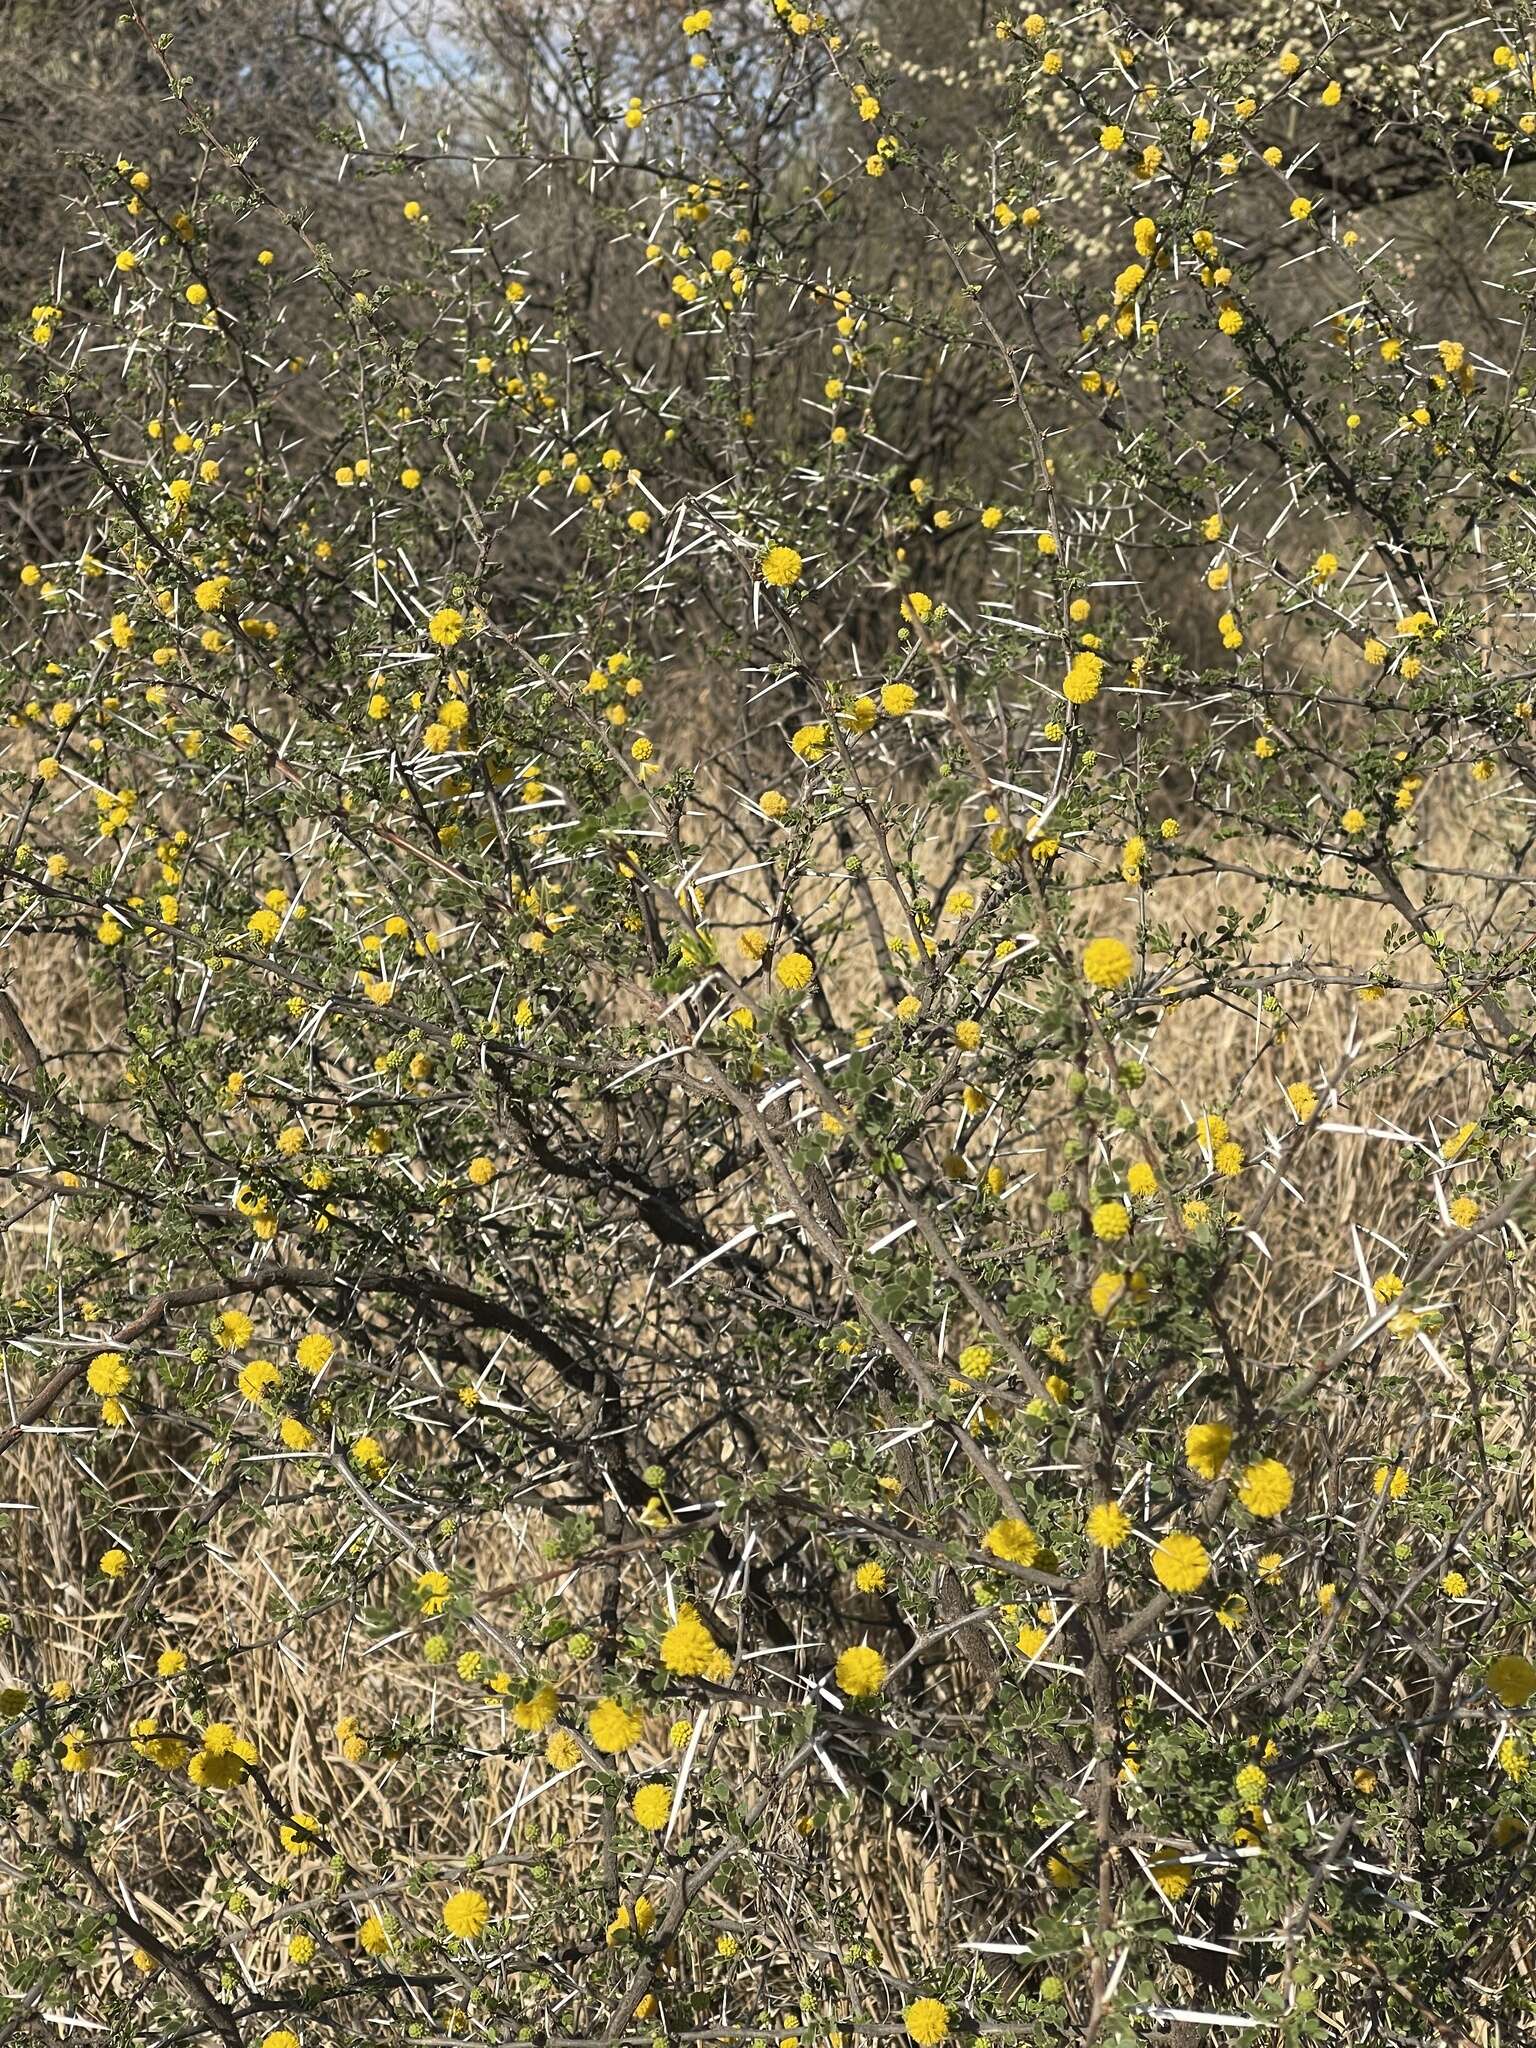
x: 662, y: 1132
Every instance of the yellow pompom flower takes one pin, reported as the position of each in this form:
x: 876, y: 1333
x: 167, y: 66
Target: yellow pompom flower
x: 794, y: 972
x: 232, y: 1330
x: 368, y: 1456
x: 76, y: 1752
x: 1083, y: 679
x: 535, y: 1713
x: 1012, y: 1540
x: 687, y: 1646
x: 466, y: 1914
x: 562, y: 1752
x: 108, y: 1373
x: 1511, y: 1680
x: 432, y: 1589
x: 927, y: 2021
x: 1107, y: 963
x: 315, y: 1351
x: 651, y: 1806
x: 614, y: 1727
x: 218, y: 1770
x: 257, y: 1380
x: 298, y: 1834
x: 624, y: 1925
x: 1266, y: 1488
x: 1108, y: 1525
x: 781, y: 567
x: 861, y: 1671
x: 1181, y: 1563
x: 1106, y: 1291
x: 1206, y: 1445
x: 1458, y: 1141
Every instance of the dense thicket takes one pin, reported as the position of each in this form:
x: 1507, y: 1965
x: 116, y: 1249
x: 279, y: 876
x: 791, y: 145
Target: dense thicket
x: 767, y: 1026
